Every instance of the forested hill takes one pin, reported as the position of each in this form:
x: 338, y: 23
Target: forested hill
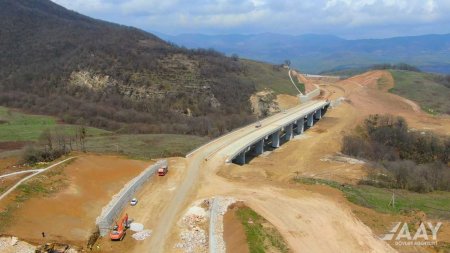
x: 58, y: 62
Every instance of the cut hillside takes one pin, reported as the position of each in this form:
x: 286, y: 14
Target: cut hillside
x: 430, y: 91
x: 61, y: 63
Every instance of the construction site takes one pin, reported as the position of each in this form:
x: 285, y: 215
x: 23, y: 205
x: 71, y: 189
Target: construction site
x: 109, y: 203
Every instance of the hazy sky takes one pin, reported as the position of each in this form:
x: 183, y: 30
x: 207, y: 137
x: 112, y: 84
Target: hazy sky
x: 345, y: 18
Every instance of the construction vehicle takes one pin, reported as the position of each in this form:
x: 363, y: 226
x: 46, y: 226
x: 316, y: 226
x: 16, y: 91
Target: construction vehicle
x: 163, y: 170
x: 119, y: 230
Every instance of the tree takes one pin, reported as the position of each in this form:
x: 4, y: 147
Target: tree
x: 287, y: 63
x: 82, y: 134
x: 46, y: 138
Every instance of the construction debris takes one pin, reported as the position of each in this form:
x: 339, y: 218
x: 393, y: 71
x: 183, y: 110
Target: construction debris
x: 194, y: 225
x: 142, y: 235
x: 193, y: 235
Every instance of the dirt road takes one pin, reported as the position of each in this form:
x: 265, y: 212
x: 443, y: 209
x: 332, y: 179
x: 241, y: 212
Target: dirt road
x: 195, y: 162
x: 200, y: 180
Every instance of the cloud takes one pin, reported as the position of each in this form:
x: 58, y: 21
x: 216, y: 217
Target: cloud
x: 350, y: 18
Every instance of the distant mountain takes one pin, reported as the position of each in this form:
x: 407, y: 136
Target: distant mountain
x: 316, y: 53
x: 58, y: 62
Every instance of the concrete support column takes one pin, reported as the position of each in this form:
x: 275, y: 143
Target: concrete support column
x: 318, y: 114
x: 310, y: 120
x: 276, y: 139
x: 300, y: 125
x: 240, y: 159
x: 259, y: 149
x: 289, y: 132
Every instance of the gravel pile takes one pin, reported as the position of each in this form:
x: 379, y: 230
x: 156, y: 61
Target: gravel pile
x: 136, y: 227
x: 142, y: 235
x: 13, y: 245
x: 219, y: 208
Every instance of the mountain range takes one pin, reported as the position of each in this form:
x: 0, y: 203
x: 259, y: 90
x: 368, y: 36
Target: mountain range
x: 313, y: 53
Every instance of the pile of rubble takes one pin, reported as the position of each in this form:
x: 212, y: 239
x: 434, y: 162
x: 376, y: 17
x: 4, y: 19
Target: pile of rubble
x: 193, y: 236
x: 13, y: 245
x: 141, y: 235
x: 193, y: 241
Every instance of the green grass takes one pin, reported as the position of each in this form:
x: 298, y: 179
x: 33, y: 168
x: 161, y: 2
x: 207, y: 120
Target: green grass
x: 260, y: 238
x: 300, y: 86
x: 265, y: 77
x: 420, y: 87
x: 382, y: 83
x: 17, y: 126
x: 145, y: 146
x: 435, y: 204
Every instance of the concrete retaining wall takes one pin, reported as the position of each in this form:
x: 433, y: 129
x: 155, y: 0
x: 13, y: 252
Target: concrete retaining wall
x: 114, y: 208
x: 309, y: 95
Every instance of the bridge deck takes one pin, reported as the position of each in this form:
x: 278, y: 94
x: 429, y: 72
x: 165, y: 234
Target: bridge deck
x: 238, y: 146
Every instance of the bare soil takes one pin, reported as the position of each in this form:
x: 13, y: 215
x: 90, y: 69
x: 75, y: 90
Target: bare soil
x: 286, y: 101
x: 233, y: 232
x: 153, y: 198
x: 69, y: 215
x: 12, y: 145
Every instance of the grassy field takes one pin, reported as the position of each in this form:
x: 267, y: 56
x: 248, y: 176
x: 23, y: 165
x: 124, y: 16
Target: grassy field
x: 261, y: 235
x: 145, y: 146
x: 435, y: 204
x: 265, y: 77
x: 300, y: 86
x: 17, y: 126
x: 420, y: 87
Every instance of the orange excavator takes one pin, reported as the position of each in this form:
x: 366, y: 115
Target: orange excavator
x: 119, y: 230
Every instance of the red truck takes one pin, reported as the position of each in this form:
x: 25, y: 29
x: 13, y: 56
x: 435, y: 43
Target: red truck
x: 163, y: 170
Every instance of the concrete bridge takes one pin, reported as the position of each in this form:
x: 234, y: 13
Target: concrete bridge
x: 270, y: 136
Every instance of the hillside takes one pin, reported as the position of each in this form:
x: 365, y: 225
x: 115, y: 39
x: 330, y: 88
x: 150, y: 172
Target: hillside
x: 86, y: 71
x: 315, y: 53
x: 430, y: 91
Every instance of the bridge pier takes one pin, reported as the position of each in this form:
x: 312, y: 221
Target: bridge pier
x: 310, y: 120
x: 276, y: 139
x: 300, y: 126
x: 289, y: 132
x: 259, y: 149
x: 240, y: 159
x: 318, y: 114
